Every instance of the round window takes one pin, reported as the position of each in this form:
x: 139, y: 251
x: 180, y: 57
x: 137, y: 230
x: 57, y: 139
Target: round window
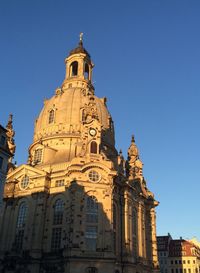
x: 94, y: 176
x: 25, y: 182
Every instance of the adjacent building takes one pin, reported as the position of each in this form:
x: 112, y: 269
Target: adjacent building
x: 78, y: 205
x: 178, y: 256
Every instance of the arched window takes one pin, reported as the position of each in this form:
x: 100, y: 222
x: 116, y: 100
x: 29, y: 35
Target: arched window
x: 74, y: 68
x: 86, y: 71
x: 51, y: 116
x: 58, y: 212
x: 38, y: 156
x: 93, y: 147
x: 91, y: 223
x: 20, y: 225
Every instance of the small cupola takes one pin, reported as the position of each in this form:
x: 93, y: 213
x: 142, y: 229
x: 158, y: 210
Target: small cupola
x: 78, y: 65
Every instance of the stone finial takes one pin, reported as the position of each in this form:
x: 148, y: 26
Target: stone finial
x: 133, y: 164
x: 133, y: 150
x: 10, y: 136
x: 121, y: 162
x: 9, y: 124
x: 133, y: 139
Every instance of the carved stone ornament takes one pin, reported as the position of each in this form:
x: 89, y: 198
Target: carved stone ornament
x: 90, y: 111
x: 58, y: 91
x: 10, y: 136
x: 133, y: 151
x: 134, y: 165
x: 121, y: 162
x: 9, y: 189
x: 83, y: 149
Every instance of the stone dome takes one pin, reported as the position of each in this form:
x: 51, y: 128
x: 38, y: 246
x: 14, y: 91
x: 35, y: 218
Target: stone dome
x: 73, y: 123
x: 79, y: 118
x: 69, y: 109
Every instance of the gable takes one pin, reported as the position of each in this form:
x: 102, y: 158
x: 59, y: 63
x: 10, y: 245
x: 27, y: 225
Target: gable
x: 25, y: 170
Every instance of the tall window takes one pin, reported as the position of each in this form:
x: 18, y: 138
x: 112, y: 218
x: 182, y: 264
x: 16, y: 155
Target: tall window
x: 51, y: 116
x: 91, y: 223
x: 20, y: 226
x: 58, y: 212
x: 74, y: 68
x: 134, y: 232
x: 56, y: 238
x: 38, y: 156
x: 57, y: 225
x: 93, y: 147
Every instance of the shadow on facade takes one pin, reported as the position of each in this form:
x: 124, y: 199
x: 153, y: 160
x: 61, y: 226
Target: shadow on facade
x: 49, y: 233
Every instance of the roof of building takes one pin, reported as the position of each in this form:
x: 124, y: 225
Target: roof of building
x: 180, y: 247
x: 163, y: 242
x: 79, y: 49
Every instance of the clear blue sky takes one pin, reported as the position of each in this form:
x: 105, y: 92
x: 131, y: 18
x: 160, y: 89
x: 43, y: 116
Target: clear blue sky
x: 147, y: 63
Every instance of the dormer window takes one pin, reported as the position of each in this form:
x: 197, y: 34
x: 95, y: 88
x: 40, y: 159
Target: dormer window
x: 74, y: 68
x: 51, y: 116
x: 86, y: 71
x: 38, y: 156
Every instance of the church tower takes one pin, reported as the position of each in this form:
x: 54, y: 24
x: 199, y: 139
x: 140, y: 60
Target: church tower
x: 77, y: 205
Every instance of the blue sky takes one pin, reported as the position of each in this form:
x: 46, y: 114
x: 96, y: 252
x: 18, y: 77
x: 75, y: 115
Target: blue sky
x: 147, y: 63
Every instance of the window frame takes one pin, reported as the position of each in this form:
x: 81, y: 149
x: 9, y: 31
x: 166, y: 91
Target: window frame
x: 51, y: 117
x: 36, y: 156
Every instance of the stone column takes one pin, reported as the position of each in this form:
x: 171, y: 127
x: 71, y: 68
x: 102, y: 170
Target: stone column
x: 126, y: 225
x: 140, y: 250
x: 143, y: 234
x: 153, y: 237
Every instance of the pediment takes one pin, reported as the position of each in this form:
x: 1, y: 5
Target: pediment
x: 97, y: 165
x: 25, y: 170
x: 87, y: 166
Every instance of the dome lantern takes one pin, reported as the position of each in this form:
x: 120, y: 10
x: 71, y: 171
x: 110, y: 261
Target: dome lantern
x: 78, y: 67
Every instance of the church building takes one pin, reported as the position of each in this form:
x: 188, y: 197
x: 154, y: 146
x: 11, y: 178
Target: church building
x: 77, y: 206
